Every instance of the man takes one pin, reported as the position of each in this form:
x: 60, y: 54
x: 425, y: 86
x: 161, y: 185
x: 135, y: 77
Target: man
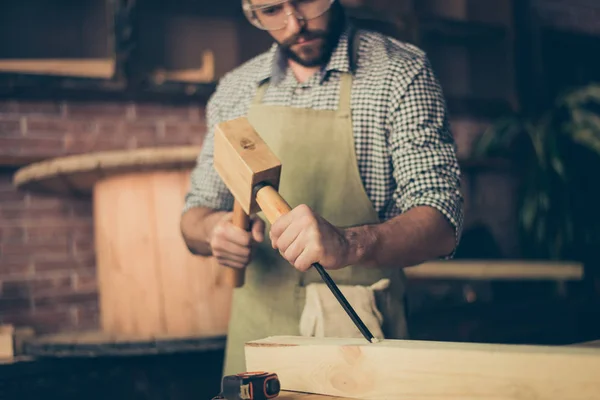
x: 359, y: 123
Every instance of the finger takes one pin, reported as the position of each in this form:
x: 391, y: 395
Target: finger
x: 224, y: 256
x: 304, y: 261
x: 293, y: 250
x: 281, y: 224
x: 222, y: 245
x: 230, y: 263
x: 237, y: 235
x: 258, y: 229
x: 287, y: 237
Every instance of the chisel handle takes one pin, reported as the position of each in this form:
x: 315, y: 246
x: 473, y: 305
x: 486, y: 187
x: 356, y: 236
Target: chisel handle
x: 274, y: 206
x: 235, y: 276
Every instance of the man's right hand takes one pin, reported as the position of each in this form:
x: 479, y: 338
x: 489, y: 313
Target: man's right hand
x: 231, y: 245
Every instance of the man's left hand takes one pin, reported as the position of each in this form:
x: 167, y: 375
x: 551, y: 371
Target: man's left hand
x: 303, y: 238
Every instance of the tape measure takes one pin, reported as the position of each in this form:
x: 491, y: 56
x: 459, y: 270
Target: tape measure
x: 258, y: 385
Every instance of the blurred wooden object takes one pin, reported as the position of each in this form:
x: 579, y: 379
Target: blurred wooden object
x: 96, y: 68
x: 205, y: 74
x: 6, y: 342
x: 497, y: 270
x: 149, y: 282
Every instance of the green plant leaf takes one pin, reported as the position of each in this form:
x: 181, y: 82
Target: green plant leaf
x: 498, y: 138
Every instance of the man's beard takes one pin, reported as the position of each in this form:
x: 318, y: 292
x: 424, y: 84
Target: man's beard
x: 310, y: 56
x: 316, y: 56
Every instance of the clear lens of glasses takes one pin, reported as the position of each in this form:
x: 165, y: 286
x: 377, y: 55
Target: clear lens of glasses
x: 273, y: 14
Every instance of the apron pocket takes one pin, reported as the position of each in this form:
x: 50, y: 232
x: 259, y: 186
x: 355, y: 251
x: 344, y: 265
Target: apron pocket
x: 323, y: 316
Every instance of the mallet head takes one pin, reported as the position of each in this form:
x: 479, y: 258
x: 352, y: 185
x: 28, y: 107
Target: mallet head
x: 242, y: 159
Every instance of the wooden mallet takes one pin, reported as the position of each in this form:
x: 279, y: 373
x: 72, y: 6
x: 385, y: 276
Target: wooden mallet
x: 243, y: 159
x: 251, y: 172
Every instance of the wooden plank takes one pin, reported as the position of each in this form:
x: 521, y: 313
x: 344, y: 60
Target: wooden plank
x: 94, y: 68
x: 404, y: 369
x: 6, y: 341
x: 286, y: 395
x: 205, y: 74
x: 497, y: 270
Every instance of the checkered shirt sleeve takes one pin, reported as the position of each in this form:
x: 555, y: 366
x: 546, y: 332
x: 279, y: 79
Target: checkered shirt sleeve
x: 423, y: 149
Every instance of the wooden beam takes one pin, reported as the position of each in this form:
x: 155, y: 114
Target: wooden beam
x: 286, y: 395
x: 95, y: 68
x: 404, y: 369
x: 205, y: 74
x: 497, y: 270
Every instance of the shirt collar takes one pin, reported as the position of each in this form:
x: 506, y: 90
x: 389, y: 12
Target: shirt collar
x: 276, y: 66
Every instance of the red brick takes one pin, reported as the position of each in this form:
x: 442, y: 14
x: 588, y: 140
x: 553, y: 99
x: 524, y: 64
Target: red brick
x: 7, y: 107
x: 59, y: 225
x: 38, y: 146
x: 85, y: 280
x: 10, y: 127
x: 83, y: 246
x: 41, y: 107
x: 8, y: 193
x: 10, y: 212
x: 160, y: 111
x: 54, y: 264
x: 65, y: 298
x: 43, y: 319
x: 87, y: 316
x: 52, y: 246
x: 15, y: 268
x: 82, y: 209
x: 198, y: 113
x: 12, y: 234
x: 77, y: 144
x: 96, y: 109
x: 37, y: 201
x: 16, y: 305
x: 15, y: 289
x: 58, y: 126
x: 53, y: 285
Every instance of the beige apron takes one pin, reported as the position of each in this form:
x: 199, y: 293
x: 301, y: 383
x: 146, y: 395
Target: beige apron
x: 319, y: 168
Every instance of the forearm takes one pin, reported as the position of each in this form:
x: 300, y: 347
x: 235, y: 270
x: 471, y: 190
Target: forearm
x: 196, y: 228
x: 416, y: 236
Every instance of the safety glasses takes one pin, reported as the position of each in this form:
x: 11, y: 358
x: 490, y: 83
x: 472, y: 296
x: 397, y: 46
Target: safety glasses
x: 271, y: 15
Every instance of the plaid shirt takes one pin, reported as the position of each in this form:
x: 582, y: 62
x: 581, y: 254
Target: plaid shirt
x: 404, y: 147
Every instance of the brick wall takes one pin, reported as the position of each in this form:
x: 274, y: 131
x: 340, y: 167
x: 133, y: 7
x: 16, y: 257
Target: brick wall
x: 573, y: 15
x: 47, y: 259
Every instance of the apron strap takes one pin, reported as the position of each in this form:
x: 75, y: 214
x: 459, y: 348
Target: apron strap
x: 345, y: 95
x: 346, y: 78
x: 260, y: 92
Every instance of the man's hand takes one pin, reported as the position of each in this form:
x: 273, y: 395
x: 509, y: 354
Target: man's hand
x: 303, y: 238
x: 231, y: 245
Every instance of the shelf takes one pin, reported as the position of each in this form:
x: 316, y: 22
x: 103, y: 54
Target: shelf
x: 24, y: 87
x: 92, y: 68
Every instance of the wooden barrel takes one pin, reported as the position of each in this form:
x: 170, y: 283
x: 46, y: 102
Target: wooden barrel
x: 148, y: 281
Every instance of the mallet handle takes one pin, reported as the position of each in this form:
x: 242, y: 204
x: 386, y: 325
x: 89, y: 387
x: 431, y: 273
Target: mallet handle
x: 234, y: 276
x: 271, y: 203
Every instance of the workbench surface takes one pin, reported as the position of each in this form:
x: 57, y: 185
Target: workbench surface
x: 285, y: 395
